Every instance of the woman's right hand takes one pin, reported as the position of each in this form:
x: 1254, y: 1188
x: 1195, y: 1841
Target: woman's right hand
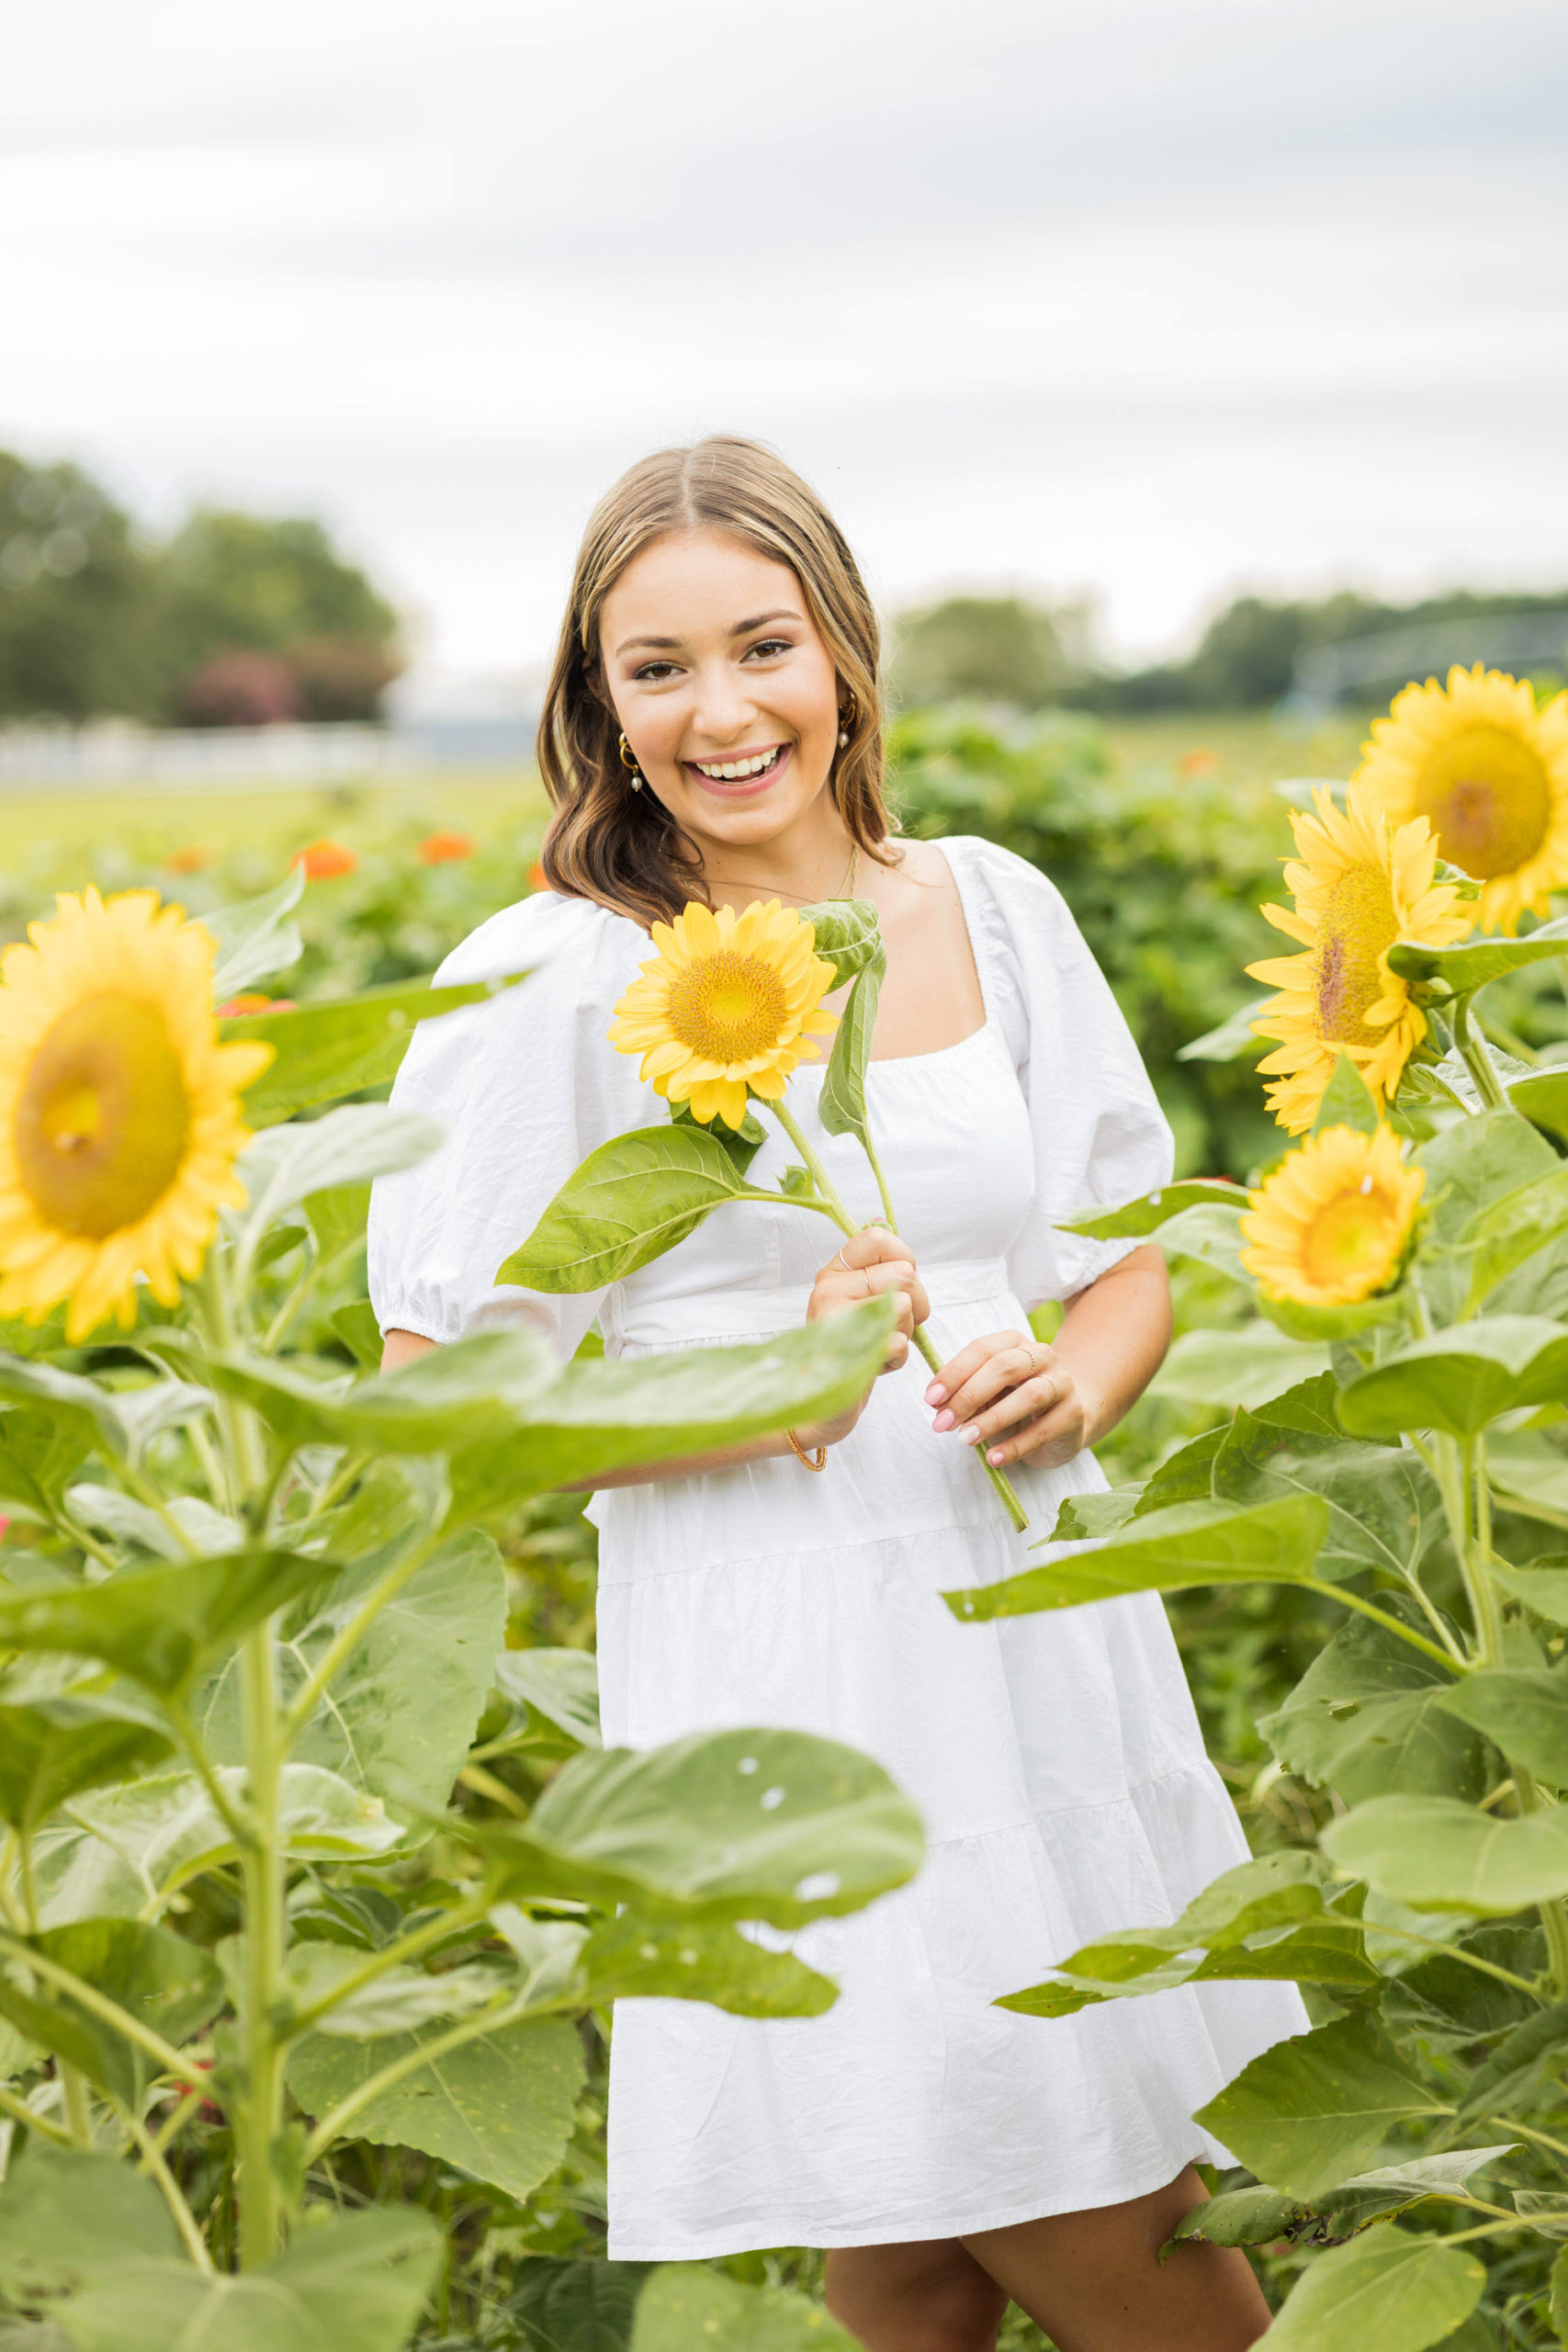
x: 873, y: 1263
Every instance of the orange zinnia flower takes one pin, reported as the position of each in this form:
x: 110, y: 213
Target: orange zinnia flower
x: 537, y: 880
x: 442, y: 848
x: 189, y: 860
x: 324, y: 861
x: 252, y: 1001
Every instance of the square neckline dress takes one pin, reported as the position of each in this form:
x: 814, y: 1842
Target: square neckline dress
x: 1056, y: 1759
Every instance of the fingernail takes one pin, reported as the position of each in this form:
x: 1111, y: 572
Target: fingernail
x: 943, y: 1421
x: 971, y: 1436
x: 936, y: 1393
x: 995, y: 1457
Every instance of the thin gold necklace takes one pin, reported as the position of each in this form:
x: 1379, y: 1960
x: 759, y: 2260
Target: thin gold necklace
x: 846, y: 889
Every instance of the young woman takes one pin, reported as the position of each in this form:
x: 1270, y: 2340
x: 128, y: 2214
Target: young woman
x: 712, y: 732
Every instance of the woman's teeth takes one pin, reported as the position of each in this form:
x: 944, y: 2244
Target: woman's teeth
x: 730, y: 771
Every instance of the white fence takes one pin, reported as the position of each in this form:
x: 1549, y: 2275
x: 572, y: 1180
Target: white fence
x: 252, y: 759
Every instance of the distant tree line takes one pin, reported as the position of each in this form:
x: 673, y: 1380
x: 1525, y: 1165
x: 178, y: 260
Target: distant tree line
x: 1009, y: 649
x: 235, y: 620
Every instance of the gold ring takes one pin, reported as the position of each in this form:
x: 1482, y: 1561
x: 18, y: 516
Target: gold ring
x: 843, y: 1261
x: 870, y: 1285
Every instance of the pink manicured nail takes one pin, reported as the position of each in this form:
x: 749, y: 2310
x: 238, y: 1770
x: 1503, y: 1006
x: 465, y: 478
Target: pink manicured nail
x: 936, y: 1393
x: 971, y: 1436
x: 944, y: 1421
x: 995, y: 1456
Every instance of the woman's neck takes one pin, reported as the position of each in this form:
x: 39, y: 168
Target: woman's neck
x: 798, y: 871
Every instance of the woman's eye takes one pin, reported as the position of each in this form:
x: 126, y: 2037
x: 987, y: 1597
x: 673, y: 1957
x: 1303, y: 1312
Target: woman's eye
x: 652, y: 671
x: 770, y: 645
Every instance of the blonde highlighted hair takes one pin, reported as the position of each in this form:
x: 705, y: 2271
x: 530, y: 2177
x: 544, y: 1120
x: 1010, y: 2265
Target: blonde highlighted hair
x: 623, y: 848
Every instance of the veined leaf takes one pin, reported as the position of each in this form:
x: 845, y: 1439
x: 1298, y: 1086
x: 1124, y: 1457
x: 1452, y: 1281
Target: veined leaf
x: 561, y: 1685
x: 1437, y: 1855
x: 255, y: 938
x: 847, y: 935
x: 1368, y: 1718
x: 775, y: 1826
x: 1475, y: 1162
x: 1543, y: 1587
x: 1316, y: 2108
x: 1523, y: 1710
x: 1245, y: 1367
x: 324, y: 1051
x: 1520, y: 2060
x: 475, y: 1388
x: 1473, y: 963
x: 1462, y: 1378
x: 1393, y: 2290
x: 1190, y: 1544
x: 574, y: 2306
x: 67, y: 2217
x: 684, y: 2305
x: 160, y: 1625
x: 51, y: 1749
x: 1149, y: 1212
x: 1211, y: 1234
x: 689, y: 1960
x: 841, y: 1104
x: 1257, y: 2216
x: 1346, y: 1101
x: 629, y: 1202
x: 1541, y: 1095
x: 284, y: 1165
x: 1234, y: 1040
x: 1513, y: 1229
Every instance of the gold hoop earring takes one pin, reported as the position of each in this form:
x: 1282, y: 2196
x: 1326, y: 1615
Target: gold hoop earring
x: 628, y: 760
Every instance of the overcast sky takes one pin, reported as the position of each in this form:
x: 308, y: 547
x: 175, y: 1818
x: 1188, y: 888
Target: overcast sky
x: 1152, y: 297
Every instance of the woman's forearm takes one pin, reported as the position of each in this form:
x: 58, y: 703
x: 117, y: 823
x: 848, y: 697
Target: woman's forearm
x: 1115, y: 1336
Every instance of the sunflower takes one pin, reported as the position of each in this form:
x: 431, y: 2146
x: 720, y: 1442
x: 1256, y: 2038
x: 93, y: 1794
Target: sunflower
x: 1490, y: 774
x: 726, y: 1007
x: 1332, y: 1224
x: 120, y: 1118
x: 1358, y: 885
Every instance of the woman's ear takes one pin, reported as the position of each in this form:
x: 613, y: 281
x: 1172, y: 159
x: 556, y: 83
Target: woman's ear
x: 594, y: 679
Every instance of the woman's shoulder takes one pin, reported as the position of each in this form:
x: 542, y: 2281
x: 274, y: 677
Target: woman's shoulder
x: 574, y: 941
x: 1018, y: 908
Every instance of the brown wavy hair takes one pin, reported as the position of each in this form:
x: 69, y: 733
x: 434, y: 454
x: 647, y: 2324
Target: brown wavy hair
x: 623, y: 848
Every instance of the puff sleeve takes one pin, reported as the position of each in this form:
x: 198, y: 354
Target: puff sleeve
x: 1099, y: 1135
x: 526, y: 1086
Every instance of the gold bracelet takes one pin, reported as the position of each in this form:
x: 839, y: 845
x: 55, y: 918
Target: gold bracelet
x: 819, y: 1462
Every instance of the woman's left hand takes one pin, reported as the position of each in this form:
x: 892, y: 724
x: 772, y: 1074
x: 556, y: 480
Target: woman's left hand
x: 1012, y: 1397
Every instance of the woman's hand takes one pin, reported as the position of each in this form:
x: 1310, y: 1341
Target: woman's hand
x: 872, y: 1264
x: 1012, y: 1396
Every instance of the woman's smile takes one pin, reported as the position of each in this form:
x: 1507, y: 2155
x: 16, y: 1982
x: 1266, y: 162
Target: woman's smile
x: 743, y: 775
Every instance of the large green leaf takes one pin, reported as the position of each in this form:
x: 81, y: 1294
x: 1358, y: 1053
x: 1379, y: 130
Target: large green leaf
x: 1382, y: 1502
x: 1525, y: 1710
x: 254, y: 937
x: 560, y: 1685
x: 1543, y: 1587
x: 1257, y: 2216
x: 630, y: 1201
x: 1450, y: 2003
x: 574, y: 2306
x: 284, y: 1165
x: 1211, y: 1233
x: 696, y: 1960
x: 1437, y: 1855
x: 1245, y: 1367
x: 1315, y: 2108
x: 499, y: 2107
x: 684, y: 2305
x: 1462, y: 1378
x: 67, y: 2217
x: 1368, y: 1717
x: 73, y: 1404
x: 1233, y: 1040
x: 325, y: 1051
x: 41, y: 1451
x: 1514, y: 1229
x: 160, y: 1625
x: 474, y: 1389
x: 607, y: 1414
x: 847, y: 935
x: 1473, y: 963
x: 842, y: 1102
x: 402, y: 1708
x: 1150, y: 1210
x: 777, y: 1826
x: 1520, y: 2062
x: 53, y: 1748
x: 1542, y: 1096
x: 1348, y: 1102
x: 1392, y: 2290
x: 158, y: 1978
x: 1190, y: 1544
x: 1475, y: 1162
x: 352, y: 2285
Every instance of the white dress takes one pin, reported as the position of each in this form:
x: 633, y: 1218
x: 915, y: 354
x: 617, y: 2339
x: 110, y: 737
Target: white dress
x: 1056, y: 1759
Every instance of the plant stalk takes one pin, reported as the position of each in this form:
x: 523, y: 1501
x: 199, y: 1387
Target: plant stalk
x: 1553, y: 1918
x: 261, y: 2109
x: 1476, y: 1058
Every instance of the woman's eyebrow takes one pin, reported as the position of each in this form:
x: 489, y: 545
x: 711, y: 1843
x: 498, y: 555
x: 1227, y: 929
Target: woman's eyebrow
x: 666, y: 644
x: 744, y: 628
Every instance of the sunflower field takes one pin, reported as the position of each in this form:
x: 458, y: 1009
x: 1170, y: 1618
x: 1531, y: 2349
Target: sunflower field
x: 317, y: 1883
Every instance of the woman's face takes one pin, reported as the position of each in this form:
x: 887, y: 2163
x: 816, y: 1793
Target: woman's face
x: 715, y: 666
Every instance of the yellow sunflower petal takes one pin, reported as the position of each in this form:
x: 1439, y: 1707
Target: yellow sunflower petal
x: 1331, y: 1225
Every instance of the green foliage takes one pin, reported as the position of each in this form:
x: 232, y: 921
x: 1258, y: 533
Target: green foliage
x: 984, y: 649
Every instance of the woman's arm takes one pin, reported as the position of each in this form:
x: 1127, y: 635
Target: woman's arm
x: 1025, y: 1401
x: 872, y: 1264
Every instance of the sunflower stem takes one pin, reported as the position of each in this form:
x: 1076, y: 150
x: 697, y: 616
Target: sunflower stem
x: 1477, y: 1059
x: 260, y: 2113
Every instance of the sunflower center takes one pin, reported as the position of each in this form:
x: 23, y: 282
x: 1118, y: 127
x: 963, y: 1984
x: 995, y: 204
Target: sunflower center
x: 1352, y: 1239
x: 1488, y: 797
x: 727, y: 1007
x: 102, y: 1117
x: 1356, y: 923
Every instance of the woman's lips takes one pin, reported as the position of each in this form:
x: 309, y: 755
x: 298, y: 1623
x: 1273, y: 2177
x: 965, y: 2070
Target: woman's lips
x: 741, y: 788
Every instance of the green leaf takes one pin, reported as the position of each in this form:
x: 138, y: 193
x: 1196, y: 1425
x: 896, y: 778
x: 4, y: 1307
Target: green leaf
x: 355, y: 2285
x: 73, y: 1404
x: 474, y: 1389
x: 1541, y: 1096
x: 1513, y: 1229
x: 562, y: 1685
x: 325, y: 1051
x: 1543, y: 1587
x: 284, y: 1165
x: 1472, y: 1163
x: 1149, y: 1212
x: 1559, y: 2296
x: 53, y: 1748
x: 66, y: 2217
x: 1346, y: 1101
x: 629, y: 1202
x: 776, y: 1825
x: 337, y: 1218
x: 402, y: 1708
x: 1392, y: 2290
x: 842, y: 1102
x: 1209, y: 1233
x: 847, y: 935
x: 574, y: 2306
x: 1520, y: 2062
x: 689, y: 1960
x: 1368, y: 1717
x: 1437, y: 1855
x: 742, y: 1143
x: 1473, y: 963
x: 1234, y: 1040
x: 1523, y: 1710
x: 1189, y: 1543
x: 158, y: 1978
x: 1248, y: 1367
x: 356, y: 1327
x: 1460, y: 1379
x: 500, y: 2107
x: 1316, y: 2107
x: 609, y: 1413
x: 255, y: 938
x: 160, y: 1625
x: 1450, y: 2005
x: 684, y: 2306
x: 39, y: 1454
x: 1257, y: 2216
